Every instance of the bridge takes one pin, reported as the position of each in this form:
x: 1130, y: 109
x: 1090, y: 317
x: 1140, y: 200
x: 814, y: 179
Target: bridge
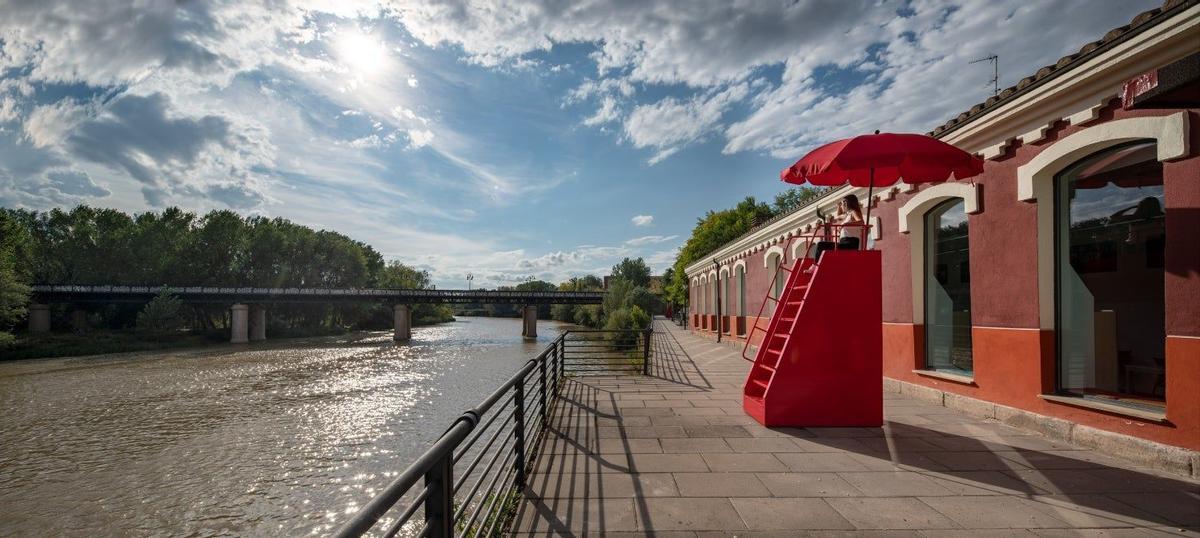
x: 248, y: 310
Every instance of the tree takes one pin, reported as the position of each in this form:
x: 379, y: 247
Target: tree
x: 713, y: 230
x: 14, y: 253
x: 634, y: 271
x: 162, y: 315
x: 793, y: 198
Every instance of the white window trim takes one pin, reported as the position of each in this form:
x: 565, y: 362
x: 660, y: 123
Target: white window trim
x: 912, y: 222
x: 773, y: 251
x: 1035, y: 179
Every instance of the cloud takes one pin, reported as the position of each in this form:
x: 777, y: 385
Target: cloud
x: 8, y: 109
x: 58, y: 186
x: 649, y: 240
x: 642, y: 220
x: 817, y: 70
x: 671, y: 123
x: 168, y: 154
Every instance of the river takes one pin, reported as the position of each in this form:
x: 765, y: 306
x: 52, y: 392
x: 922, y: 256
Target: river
x: 285, y: 437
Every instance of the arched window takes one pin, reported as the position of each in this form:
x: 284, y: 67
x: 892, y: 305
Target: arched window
x: 947, y: 288
x: 1110, y: 240
x: 741, y: 287
x: 774, y: 258
x: 726, y: 287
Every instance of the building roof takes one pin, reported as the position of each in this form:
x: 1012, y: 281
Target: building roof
x: 1143, y: 21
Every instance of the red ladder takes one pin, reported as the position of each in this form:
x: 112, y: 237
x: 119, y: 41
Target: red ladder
x: 779, y: 329
x: 788, y: 295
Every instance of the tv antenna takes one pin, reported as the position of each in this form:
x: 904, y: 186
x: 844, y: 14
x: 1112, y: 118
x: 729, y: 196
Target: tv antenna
x: 995, y: 71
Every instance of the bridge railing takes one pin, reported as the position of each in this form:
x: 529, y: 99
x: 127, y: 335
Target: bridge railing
x: 469, y: 481
x: 78, y: 292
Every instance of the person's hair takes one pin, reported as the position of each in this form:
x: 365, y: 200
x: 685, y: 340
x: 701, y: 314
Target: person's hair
x: 852, y: 203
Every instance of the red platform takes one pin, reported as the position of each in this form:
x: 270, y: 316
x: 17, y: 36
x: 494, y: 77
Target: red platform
x: 820, y: 362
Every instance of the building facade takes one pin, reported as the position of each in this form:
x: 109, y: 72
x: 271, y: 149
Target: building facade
x: 1065, y: 280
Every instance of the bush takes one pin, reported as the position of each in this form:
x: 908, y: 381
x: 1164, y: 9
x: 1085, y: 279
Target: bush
x: 626, y: 319
x: 162, y: 315
x: 642, y: 298
x: 563, y: 312
x: 588, y: 316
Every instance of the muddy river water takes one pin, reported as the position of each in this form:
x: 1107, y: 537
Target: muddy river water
x: 283, y: 437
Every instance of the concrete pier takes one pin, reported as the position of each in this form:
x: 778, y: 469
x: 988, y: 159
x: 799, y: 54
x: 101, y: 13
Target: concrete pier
x: 258, y: 323
x: 529, y: 322
x: 402, y: 319
x: 239, y: 317
x: 39, y: 318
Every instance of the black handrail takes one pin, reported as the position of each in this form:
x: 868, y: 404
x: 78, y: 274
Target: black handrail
x: 529, y: 396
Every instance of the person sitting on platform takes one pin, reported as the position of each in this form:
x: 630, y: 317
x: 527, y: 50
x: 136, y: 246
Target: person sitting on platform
x: 849, y: 219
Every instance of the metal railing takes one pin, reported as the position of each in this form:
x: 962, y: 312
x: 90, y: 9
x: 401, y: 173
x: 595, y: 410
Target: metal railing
x: 469, y: 481
x: 85, y: 293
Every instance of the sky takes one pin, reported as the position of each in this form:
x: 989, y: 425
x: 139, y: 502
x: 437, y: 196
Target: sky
x: 505, y: 140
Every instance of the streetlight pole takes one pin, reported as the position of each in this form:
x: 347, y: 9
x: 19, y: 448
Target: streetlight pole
x: 470, y: 277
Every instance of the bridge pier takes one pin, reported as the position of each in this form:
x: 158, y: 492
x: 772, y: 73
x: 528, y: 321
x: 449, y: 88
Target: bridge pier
x: 39, y: 318
x: 402, y: 319
x: 258, y: 323
x: 239, y: 317
x: 529, y: 322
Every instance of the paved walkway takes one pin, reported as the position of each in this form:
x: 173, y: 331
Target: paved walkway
x: 673, y: 454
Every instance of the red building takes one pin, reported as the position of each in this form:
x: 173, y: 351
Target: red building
x: 1058, y: 290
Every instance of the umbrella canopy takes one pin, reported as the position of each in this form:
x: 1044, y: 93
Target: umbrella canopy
x: 880, y: 160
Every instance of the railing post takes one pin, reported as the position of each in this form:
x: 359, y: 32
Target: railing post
x: 545, y: 386
x: 439, y: 505
x: 646, y: 350
x: 520, y: 426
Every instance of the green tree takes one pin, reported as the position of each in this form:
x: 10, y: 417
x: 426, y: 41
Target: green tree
x: 794, y: 198
x: 163, y: 315
x: 14, y: 260
x: 713, y: 230
x: 634, y: 271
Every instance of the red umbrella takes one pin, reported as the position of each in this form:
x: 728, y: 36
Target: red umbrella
x: 882, y: 160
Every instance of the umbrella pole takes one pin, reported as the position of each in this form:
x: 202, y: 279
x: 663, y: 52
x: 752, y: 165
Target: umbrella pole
x: 867, y: 221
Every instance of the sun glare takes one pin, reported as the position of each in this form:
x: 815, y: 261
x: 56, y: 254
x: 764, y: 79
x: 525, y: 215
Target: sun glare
x: 362, y: 53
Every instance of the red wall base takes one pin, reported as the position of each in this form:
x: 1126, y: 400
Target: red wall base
x: 1014, y: 366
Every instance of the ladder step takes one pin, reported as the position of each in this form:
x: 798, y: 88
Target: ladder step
x: 795, y: 303
x: 781, y: 335
x: 788, y: 320
x: 765, y: 367
x: 762, y: 384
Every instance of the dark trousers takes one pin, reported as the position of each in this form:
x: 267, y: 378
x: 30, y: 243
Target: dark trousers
x: 845, y: 243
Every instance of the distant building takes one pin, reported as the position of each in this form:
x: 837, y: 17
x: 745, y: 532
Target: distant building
x: 1063, y: 282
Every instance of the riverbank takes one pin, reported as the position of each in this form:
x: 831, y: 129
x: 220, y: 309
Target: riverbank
x: 68, y: 345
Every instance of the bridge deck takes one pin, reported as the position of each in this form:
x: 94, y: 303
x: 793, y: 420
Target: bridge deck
x: 674, y: 453
x: 81, y: 293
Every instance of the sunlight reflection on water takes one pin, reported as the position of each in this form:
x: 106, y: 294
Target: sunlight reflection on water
x: 284, y: 437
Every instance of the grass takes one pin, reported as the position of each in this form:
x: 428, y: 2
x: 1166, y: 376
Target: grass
x: 96, y: 343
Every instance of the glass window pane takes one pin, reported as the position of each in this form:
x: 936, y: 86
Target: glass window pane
x: 947, y: 289
x: 742, y: 292
x: 1111, y: 238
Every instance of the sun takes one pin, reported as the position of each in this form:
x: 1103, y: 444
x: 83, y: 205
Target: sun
x: 361, y: 52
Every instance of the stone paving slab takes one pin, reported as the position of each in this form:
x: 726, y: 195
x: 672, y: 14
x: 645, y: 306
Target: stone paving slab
x: 672, y: 454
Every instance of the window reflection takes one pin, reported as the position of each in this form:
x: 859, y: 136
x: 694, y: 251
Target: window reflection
x: 1111, y: 237
x: 947, y: 289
